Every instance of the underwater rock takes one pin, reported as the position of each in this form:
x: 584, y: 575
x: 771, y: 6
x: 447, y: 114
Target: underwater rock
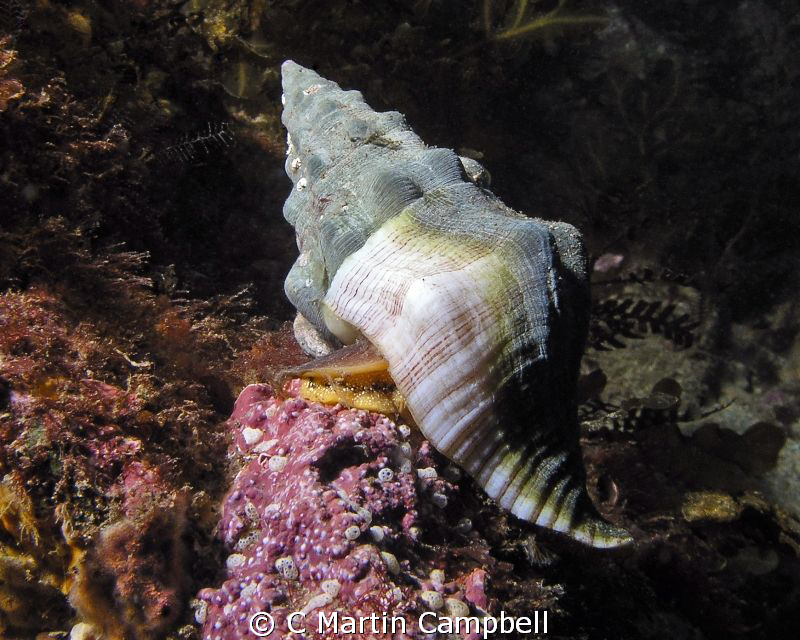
x: 328, y: 530
x: 480, y: 312
x: 132, y: 581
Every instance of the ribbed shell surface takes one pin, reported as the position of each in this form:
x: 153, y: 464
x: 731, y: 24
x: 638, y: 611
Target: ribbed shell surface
x: 480, y: 311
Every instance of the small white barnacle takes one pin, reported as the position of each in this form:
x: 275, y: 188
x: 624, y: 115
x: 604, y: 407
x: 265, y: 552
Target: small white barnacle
x: 234, y: 561
x: 439, y: 499
x: 246, y: 541
x: 377, y: 533
x: 302, y: 183
x: 385, y: 475
x: 251, y: 436
x: 278, y: 463
x: 428, y: 473
x: 283, y: 99
x: 287, y: 568
x: 437, y: 577
x: 404, y: 430
x: 432, y: 599
x: 456, y: 608
x: 251, y: 511
x: 264, y: 445
x: 352, y: 532
x: 310, y: 91
x: 296, y: 164
x: 390, y: 560
x: 331, y: 587
x: 200, y: 610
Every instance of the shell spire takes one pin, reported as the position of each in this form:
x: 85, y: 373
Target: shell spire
x: 480, y: 312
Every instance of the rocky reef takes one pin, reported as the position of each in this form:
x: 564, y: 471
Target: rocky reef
x: 338, y: 509
x: 342, y: 510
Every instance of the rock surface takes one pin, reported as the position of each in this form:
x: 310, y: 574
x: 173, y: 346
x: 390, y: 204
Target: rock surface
x: 342, y: 510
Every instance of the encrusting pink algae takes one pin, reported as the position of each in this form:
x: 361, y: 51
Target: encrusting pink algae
x: 331, y: 513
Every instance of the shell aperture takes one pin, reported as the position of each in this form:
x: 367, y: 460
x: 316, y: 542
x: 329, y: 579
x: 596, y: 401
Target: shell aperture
x: 480, y: 312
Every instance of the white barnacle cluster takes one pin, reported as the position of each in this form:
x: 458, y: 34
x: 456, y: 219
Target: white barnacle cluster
x: 402, y: 457
x: 370, y: 201
x: 200, y: 610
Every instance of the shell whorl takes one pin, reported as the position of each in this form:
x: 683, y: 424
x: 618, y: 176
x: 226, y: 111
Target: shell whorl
x: 481, y: 312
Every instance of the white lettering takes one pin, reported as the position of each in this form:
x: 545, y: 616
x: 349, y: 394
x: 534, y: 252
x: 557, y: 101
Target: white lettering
x: 489, y: 627
x: 506, y: 623
x: 290, y: 621
x: 467, y: 628
x: 261, y: 624
x: 422, y: 626
x: 326, y: 624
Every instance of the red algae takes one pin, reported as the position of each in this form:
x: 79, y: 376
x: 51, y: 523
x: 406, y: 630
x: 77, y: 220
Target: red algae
x: 334, y: 510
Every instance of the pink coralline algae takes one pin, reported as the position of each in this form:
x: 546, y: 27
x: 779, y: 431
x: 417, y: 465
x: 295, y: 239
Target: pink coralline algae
x: 337, y: 510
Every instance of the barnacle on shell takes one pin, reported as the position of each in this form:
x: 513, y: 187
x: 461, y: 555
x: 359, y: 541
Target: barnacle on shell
x: 479, y: 312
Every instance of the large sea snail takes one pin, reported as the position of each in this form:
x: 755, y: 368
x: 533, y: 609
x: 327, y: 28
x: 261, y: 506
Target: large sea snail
x: 480, y: 313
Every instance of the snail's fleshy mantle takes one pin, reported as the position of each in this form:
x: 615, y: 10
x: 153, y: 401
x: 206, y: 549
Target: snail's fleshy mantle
x: 481, y: 312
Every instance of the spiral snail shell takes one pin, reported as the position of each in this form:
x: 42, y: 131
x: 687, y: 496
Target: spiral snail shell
x: 479, y: 311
